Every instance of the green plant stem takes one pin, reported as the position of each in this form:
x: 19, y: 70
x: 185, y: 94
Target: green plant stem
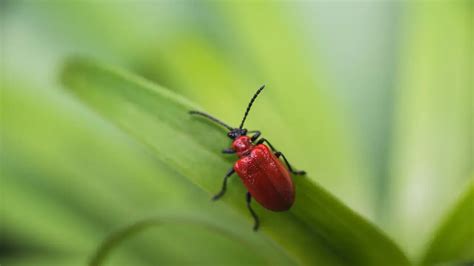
x: 121, y: 235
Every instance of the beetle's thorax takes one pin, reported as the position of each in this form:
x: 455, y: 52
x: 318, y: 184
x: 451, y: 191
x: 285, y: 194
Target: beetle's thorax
x: 242, y: 145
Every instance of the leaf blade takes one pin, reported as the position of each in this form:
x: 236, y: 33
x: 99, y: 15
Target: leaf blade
x: 331, y: 234
x: 454, y: 239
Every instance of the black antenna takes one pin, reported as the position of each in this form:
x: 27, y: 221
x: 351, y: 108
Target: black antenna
x: 250, y: 105
x: 211, y: 118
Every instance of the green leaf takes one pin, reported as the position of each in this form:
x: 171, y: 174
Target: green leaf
x: 317, y: 230
x: 454, y: 239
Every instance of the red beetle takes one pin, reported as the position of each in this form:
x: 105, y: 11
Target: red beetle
x: 259, y: 168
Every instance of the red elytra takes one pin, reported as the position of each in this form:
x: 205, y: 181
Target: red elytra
x: 264, y: 175
x: 259, y: 167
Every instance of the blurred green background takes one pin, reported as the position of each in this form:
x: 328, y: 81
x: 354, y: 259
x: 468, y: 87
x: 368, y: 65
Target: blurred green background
x: 373, y: 99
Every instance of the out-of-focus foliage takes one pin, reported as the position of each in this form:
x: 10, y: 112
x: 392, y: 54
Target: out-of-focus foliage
x: 454, y: 240
x: 432, y: 139
x: 373, y: 99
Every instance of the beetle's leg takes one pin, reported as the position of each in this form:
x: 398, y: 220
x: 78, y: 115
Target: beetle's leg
x: 224, y: 184
x: 296, y: 172
x: 262, y: 140
x: 278, y: 154
x: 254, y: 215
x: 228, y: 151
x: 256, y: 135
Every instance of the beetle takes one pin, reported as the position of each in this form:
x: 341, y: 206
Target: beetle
x: 259, y: 167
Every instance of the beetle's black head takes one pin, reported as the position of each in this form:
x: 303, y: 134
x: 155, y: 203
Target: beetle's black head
x: 237, y: 132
